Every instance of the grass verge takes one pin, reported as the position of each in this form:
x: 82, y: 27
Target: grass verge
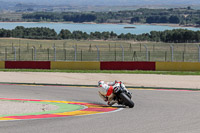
x: 106, y: 71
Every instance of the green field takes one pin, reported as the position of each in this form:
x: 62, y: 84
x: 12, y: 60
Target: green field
x: 86, y: 50
x: 7, y: 16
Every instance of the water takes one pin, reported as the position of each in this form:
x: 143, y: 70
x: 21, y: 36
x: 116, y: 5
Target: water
x: 116, y: 28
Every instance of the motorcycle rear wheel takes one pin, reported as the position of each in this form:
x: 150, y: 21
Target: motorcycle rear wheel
x: 127, y: 100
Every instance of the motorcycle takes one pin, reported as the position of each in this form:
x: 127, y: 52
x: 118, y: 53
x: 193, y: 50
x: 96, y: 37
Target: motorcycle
x: 123, y: 97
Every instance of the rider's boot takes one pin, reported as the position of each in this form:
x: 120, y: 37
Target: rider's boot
x: 111, y: 103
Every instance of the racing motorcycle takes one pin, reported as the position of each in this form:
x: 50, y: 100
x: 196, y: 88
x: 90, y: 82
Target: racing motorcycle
x: 123, y: 97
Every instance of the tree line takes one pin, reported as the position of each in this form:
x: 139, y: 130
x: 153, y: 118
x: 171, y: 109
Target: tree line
x: 175, y: 35
x: 30, y: 33
x: 182, y: 16
x: 57, y: 17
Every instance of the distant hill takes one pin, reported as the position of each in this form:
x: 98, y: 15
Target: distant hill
x: 92, y: 5
x: 106, y: 2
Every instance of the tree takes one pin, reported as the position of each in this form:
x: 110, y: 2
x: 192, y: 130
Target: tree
x: 174, y: 19
x: 65, y: 34
x: 113, y: 35
x: 155, y: 36
x: 135, y: 19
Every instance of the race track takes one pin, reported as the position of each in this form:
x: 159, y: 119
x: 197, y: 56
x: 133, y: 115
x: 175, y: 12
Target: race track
x: 155, y: 111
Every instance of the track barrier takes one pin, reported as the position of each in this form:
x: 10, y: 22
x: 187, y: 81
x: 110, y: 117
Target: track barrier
x: 2, y: 64
x: 177, y: 66
x: 127, y: 65
x: 61, y: 65
x: 27, y: 64
x: 95, y: 65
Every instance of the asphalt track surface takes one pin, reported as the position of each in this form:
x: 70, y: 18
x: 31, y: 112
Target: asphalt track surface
x: 155, y: 111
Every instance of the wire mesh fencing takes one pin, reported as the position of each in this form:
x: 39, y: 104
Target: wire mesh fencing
x: 171, y: 53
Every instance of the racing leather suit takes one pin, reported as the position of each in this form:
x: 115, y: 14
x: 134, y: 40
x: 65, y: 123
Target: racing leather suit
x: 106, y: 91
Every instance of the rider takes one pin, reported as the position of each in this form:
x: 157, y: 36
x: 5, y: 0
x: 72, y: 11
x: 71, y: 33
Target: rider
x: 106, y: 90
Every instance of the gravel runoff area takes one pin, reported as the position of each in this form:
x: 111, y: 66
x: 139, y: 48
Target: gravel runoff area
x: 138, y: 80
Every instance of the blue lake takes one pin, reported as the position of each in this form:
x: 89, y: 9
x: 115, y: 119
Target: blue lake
x: 116, y: 28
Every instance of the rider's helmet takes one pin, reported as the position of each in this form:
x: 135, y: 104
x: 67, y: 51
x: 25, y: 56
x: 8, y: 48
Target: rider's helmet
x: 100, y: 83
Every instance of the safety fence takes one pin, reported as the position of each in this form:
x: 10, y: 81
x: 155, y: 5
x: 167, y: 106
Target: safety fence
x: 110, y: 65
x: 155, y: 53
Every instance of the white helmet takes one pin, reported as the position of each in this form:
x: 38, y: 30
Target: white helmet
x: 100, y: 83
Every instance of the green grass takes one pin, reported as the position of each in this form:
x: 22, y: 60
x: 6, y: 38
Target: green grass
x: 106, y: 71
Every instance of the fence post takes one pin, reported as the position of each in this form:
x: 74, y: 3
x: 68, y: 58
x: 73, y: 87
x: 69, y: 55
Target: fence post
x: 130, y: 48
x: 98, y: 57
x: 172, y: 51
x: 147, y: 55
x: 14, y: 53
x: 199, y: 51
x: 122, y: 52
x: 74, y: 52
x: 6, y: 54
x: 54, y: 48
x: 48, y: 53
x: 34, y: 53
x: 19, y: 54
x: 65, y: 54
x: 81, y: 55
x: 115, y: 55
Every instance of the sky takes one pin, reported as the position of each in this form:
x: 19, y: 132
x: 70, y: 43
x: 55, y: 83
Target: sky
x: 107, y: 2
